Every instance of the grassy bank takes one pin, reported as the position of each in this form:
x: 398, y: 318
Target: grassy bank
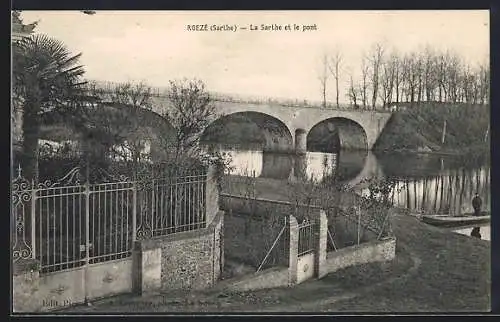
x: 420, y: 129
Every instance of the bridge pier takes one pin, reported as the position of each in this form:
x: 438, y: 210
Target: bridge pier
x: 300, y: 141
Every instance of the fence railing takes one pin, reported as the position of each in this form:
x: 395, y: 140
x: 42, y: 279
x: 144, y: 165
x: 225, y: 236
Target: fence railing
x: 105, y: 88
x: 306, y: 235
x: 67, y: 223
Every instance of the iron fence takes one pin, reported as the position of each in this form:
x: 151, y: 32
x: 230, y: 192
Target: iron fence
x: 67, y: 224
x: 306, y: 237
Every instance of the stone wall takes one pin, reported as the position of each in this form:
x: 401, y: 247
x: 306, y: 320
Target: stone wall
x: 374, y: 251
x: 193, y: 261
x: 269, y: 278
x: 189, y: 260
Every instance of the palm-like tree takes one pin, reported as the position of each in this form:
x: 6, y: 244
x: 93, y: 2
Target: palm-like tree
x: 46, y: 77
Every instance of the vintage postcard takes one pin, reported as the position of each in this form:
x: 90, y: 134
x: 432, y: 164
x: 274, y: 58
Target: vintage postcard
x: 250, y: 161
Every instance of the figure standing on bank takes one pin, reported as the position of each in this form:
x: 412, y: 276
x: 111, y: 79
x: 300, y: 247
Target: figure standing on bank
x: 476, y: 204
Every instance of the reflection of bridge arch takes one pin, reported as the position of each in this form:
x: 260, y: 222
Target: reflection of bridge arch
x: 274, y: 134
x: 334, y: 133
x: 349, y: 167
x: 371, y: 168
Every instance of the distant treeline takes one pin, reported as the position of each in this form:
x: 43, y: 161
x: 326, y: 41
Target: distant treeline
x: 385, y: 77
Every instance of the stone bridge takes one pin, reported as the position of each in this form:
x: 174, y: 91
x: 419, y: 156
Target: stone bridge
x: 289, y: 128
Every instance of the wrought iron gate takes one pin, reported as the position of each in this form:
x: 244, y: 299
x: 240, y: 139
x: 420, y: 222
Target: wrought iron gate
x: 68, y: 224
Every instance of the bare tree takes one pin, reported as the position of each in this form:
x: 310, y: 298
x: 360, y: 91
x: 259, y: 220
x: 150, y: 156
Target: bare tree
x: 421, y: 75
x: 353, y: 92
x: 430, y: 74
x: 376, y: 58
x: 484, y: 84
x: 419, y: 70
x: 412, y: 75
x: 336, y: 61
x: 453, y: 77
x: 191, y: 110
x: 398, y: 75
x: 323, y: 77
x: 364, y: 82
x: 442, y: 76
x: 387, y: 80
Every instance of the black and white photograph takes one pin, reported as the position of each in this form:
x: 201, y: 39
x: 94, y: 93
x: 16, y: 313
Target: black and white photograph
x: 237, y: 162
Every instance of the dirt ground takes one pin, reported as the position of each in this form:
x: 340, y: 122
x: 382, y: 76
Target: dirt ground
x: 434, y: 271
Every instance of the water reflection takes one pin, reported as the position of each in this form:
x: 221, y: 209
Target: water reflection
x: 484, y: 232
x: 344, y: 166
x: 476, y: 232
x: 435, y: 184
x: 449, y: 192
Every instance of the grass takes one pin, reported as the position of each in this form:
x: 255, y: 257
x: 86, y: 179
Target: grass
x: 434, y: 271
x: 454, y: 274
x: 420, y: 128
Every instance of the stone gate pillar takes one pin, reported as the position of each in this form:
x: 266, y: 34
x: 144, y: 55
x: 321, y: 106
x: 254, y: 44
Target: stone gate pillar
x: 300, y: 141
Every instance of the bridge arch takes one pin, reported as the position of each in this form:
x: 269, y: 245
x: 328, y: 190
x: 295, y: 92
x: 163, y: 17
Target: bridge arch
x: 124, y: 122
x: 270, y: 133
x: 335, y: 133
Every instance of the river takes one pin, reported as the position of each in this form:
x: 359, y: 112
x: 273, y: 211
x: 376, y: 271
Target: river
x: 433, y: 183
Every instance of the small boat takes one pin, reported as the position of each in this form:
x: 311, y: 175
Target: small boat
x: 440, y: 220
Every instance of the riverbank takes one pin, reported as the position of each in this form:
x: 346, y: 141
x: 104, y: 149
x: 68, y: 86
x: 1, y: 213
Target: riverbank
x: 266, y: 188
x: 462, y: 151
x: 435, y: 270
x: 420, y: 129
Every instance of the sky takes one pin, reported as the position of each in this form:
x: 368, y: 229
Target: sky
x: 155, y: 46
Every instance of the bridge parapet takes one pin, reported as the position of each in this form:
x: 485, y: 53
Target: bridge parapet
x: 159, y: 94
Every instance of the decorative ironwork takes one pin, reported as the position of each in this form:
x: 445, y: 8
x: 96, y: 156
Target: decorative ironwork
x: 144, y: 229
x: 22, y: 194
x: 107, y: 177
x: 73, y: 177
x: 66, y: 224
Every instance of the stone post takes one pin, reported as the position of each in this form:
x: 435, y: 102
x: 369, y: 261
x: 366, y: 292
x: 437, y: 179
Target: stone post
x: 146, y: 267
x: 293, y: 252
x: 320, y: 241
x: 211, y: 195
